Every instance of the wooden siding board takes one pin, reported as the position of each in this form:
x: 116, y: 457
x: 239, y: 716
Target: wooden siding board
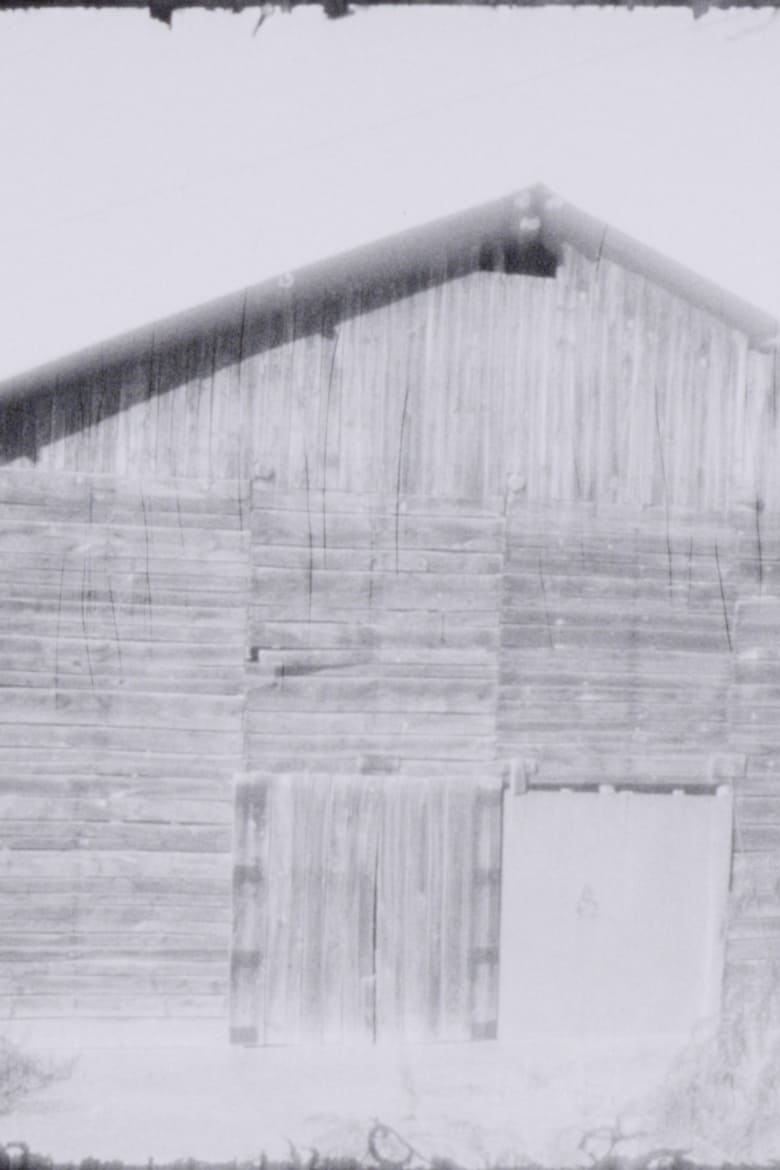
x: 382, y: 618
x: 371, y: 911
x: 116, y: 814
x: 578, y: 367
x: 640, y: 435
x: 250, y: 877
x: 385, y: 704
x: 608, y: 640
x: 647, y: 658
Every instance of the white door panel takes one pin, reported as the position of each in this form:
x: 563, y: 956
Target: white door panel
x: 613, y: 912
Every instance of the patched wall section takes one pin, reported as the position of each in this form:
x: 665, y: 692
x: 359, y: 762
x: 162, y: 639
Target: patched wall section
x: 368, y: 833
x: 639, y: 650
x: 122, y: 635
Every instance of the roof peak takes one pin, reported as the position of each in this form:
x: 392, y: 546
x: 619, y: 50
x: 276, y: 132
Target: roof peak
x: 534, y: 222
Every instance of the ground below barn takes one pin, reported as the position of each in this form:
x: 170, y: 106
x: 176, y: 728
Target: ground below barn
x: 478, y: 1104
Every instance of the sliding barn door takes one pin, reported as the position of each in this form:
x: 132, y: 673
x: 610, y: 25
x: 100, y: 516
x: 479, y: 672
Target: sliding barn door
x: 365, y: 907
x: 614, y: 909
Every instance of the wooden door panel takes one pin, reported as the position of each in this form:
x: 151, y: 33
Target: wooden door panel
x: 375, y: 916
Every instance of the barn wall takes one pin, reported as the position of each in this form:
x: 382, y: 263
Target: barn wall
x: 370, y: 752
x: 754, y: 934
x: 374, y: 633
x: 366, y: 908
x: 122, y: 627
x: 641, y: 650
x: 617, y: 639
x: 603, y: 387
x: 160, y: 640
x: 358, y: 614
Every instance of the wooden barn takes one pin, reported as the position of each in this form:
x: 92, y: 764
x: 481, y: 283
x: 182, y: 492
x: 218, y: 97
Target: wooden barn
x: 391, y: 650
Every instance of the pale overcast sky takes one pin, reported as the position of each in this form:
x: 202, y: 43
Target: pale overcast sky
x: 146, y: 169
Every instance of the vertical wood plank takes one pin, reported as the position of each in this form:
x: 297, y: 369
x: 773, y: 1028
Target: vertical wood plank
x: 250, y: 880
x: 485, y: 912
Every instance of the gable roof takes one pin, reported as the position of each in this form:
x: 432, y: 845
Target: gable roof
x: 522, y: 232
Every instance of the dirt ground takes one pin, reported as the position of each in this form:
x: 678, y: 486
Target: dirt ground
x: 480, y: 1104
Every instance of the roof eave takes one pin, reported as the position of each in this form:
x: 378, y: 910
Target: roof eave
x: 561, y: 223
x: 531, y: 216
x: 384, y: 262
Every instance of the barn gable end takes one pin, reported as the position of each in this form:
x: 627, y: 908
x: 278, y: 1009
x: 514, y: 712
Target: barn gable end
x: 296, y: 585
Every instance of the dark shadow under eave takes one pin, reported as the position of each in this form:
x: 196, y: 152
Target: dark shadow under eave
x: 119, y: 374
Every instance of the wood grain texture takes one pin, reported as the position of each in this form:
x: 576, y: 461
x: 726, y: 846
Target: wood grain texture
x: 402, y: 539
x: 372, y: 912
x: 617, y: 635
x: 371, y: 708
x: 367, y: 656
x: 639, y: 648
x: 122, y: 634
x: 596, y: 385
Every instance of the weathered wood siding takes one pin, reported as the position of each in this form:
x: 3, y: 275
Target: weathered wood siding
x: 754, y: 931
x: 617, y: 635
x: 595, y: 385
x: 366, y: 908
x: 428, y: 536
x: 641, y: 649
x: 366, y: 891
x: 373, y: 669
x: 374, y: 633
x: 122, y: 628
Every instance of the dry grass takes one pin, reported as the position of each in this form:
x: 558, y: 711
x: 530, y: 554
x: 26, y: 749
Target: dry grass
x: 723, y: 1094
